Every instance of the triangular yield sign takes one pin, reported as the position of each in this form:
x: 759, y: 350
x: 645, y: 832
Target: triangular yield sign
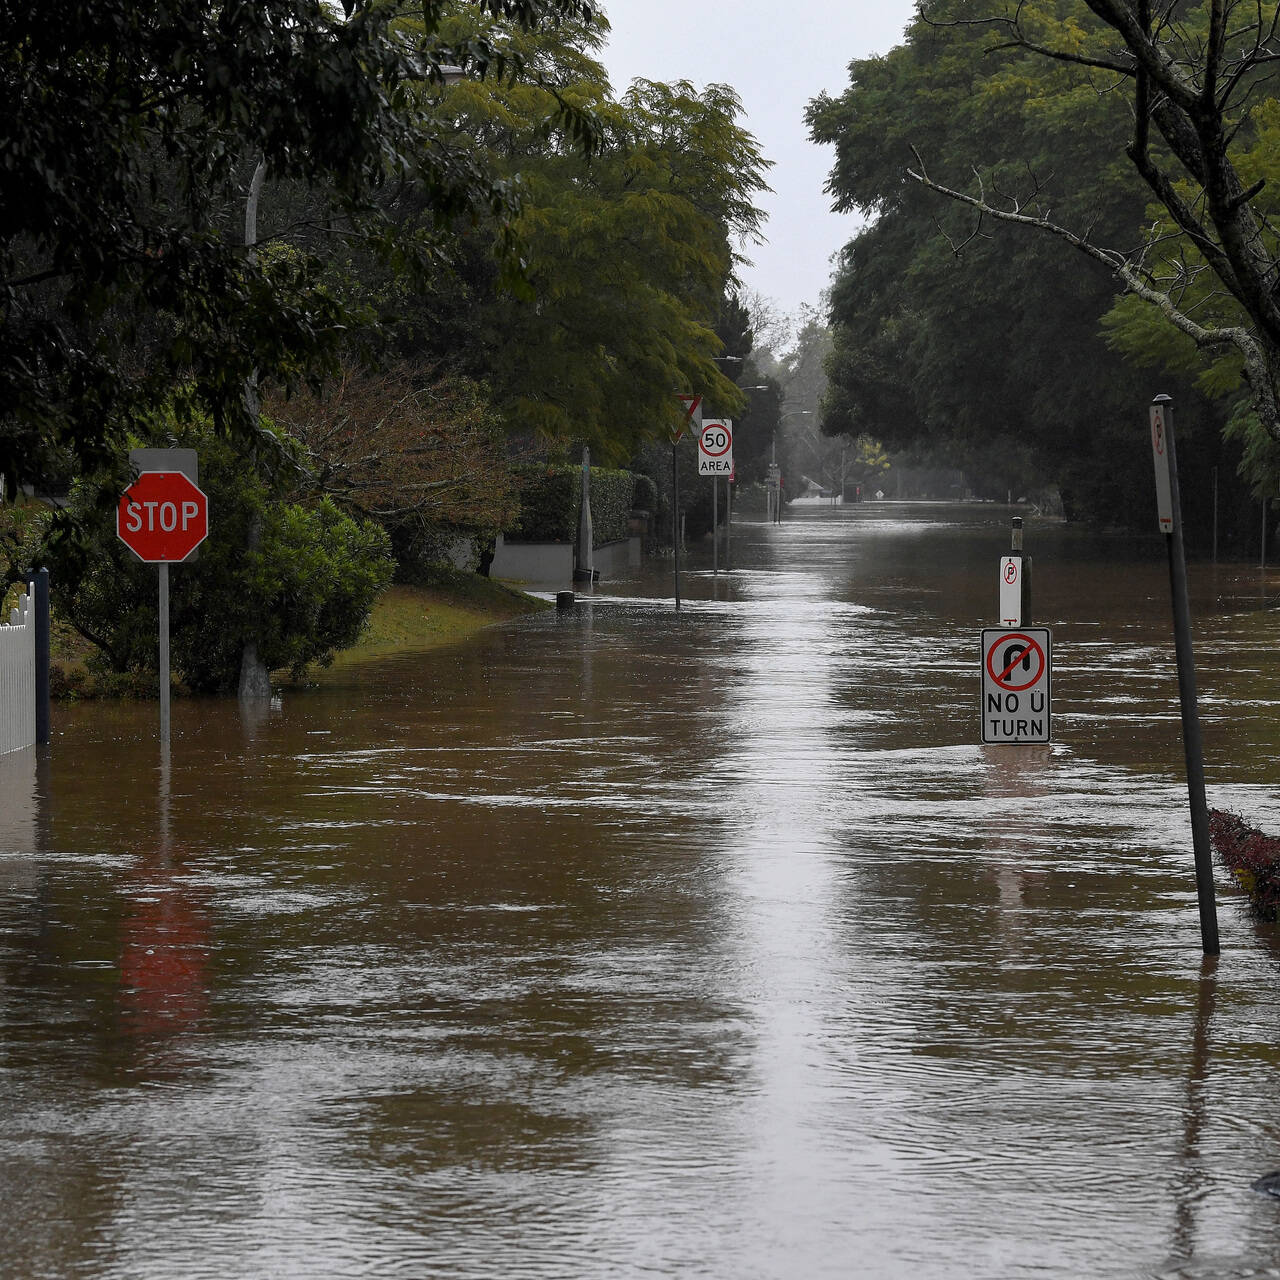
x: 693, y: 411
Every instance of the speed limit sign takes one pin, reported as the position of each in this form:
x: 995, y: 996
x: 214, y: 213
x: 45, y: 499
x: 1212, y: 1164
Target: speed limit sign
x: 715, y: 447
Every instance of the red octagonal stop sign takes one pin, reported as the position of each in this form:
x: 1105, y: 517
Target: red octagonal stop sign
x: 162, y: 517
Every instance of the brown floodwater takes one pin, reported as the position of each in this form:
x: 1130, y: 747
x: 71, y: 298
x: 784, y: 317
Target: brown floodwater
x: 617, y: 942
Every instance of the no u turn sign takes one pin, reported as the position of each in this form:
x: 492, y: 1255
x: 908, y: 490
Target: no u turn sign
x: 1016, y: 679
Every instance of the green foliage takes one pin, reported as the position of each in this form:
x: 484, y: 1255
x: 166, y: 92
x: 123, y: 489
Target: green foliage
x: 551, y: 500
x: 306, y: 592
x: 1260, y: 451
x: 866, y: 461
x: 130, y: 134
x: 645, y: 497
x: 303, y: 593
x: 23, y: 527
x: 1146, y: 335
x: 612, y: 501
x: 964, y: 334
x: 628, y: 255
x: 755, y: 423
x: 654, y: 462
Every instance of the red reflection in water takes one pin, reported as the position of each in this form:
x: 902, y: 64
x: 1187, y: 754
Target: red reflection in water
x: 164, y: 961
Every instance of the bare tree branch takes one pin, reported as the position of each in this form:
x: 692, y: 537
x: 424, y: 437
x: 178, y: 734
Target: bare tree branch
x: 1118, y: 263
x: 1259, y: 357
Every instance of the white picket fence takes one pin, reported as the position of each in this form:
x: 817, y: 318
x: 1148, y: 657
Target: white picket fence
x: 18, y: 676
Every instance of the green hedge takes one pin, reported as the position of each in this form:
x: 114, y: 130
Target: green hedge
x: 550, y: 497
x: 612, y: 500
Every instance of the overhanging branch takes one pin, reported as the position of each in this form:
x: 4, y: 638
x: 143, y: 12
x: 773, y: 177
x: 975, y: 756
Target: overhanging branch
x: 1118, y: 263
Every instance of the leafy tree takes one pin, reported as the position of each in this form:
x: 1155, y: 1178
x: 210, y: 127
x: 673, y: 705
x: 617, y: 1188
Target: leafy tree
x: 756, y: 421
x: 800, y: 370
x: 628, y: 253
x: 23, y: 527
x: 864, y: 463
x: 130, y: 133
x: 424, y: 456
x: 303, y: 593
x: 957, y: 330
x: 1188, y: 83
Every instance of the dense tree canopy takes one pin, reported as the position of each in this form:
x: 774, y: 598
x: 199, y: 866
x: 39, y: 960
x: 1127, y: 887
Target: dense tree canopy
x: 130, y: 132
x: 956, y: 329
x: 1194, y: 81
x: 628, y: 252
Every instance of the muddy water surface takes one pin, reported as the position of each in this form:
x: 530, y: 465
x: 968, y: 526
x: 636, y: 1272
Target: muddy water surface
x: 617, y: 943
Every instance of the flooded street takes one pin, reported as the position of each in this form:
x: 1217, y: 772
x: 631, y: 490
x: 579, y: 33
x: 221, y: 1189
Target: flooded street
x: 624, y: 943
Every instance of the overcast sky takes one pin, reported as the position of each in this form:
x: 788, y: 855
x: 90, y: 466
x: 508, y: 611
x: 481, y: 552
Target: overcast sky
x: 777, y: 56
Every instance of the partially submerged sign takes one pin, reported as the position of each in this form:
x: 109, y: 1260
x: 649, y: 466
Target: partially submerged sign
x: 1011, y: 591
x: 1016, y: 679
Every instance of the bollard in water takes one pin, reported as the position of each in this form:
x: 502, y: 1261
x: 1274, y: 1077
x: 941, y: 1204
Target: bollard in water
x: 564, y: 600
x: 42, y: 657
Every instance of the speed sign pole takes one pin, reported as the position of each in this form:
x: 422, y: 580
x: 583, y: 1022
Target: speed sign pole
x: 675, y: 517
x: 715, y: 527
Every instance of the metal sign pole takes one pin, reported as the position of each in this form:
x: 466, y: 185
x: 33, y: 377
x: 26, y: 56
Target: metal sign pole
x: 728, y: 522
x: 164, y: 654
x: 675, y: 519
x: 715, y: 526
x: 1166, y: 462
x: 1016, y: 542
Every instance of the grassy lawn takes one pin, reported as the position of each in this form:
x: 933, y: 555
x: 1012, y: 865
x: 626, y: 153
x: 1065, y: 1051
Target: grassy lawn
x: 403, y: 619
x: 412, y: 618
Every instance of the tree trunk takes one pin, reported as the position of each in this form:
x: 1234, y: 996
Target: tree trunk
x: 255, y: 680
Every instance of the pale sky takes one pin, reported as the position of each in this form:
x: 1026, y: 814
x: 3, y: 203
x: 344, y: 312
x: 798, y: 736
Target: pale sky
x: 777, y: 56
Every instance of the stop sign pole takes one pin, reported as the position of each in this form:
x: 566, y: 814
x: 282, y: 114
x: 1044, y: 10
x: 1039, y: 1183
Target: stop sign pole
x: 162, y: 518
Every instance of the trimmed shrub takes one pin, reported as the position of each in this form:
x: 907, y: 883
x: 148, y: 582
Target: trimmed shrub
x: 612, y: 501
x: 550, y: 499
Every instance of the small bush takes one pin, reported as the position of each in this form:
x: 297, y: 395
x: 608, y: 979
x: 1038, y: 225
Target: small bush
x: 301, y: 593
x: 646, y: 495
x: 1252, y: 858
